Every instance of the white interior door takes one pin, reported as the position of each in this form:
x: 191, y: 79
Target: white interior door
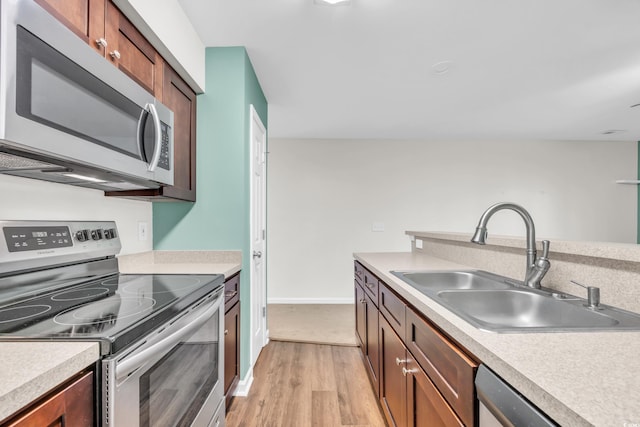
x: 258, y: 137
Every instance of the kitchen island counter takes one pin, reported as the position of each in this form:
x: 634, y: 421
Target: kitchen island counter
x: 31, y: 369
x: 576, y: 378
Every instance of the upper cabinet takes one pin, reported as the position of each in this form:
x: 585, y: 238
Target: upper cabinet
x: 128, y: 50
x: 101, y: 24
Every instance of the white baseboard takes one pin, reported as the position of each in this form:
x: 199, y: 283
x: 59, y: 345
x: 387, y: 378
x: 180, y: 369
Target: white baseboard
x: 310, y: 301
x: 244, y: 385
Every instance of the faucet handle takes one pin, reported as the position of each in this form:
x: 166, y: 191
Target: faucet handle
x: 545, y: 249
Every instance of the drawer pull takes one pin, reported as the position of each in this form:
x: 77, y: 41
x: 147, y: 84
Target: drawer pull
x: 101, y: 42
x: 369, y: 285
x: 406, y: 371
x: 115, y: 55
x: 226, y: 332
x: 400, y: 361
x: 363, y: 301
x: 230, y: 294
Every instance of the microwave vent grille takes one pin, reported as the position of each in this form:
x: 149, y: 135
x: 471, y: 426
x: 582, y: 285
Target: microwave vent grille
x: 9, y: 162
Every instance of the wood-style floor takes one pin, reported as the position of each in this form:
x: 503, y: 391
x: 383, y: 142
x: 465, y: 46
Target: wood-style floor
x: 299, y: 385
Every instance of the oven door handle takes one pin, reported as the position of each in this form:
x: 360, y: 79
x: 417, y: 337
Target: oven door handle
x: 137, y: 360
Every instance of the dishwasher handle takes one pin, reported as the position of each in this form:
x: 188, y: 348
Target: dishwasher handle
x: 505, y: 404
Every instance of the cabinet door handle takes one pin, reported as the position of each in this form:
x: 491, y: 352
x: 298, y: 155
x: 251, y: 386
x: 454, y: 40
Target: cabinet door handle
x: 400, y: 361
x: 226, y: 332
x: 115, y: 54
x: 363, y: 301
x: 101, y: 42
x: 406, y: 371
x: 369, y: 285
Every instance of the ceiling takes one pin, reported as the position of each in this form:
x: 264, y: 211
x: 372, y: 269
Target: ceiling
x: 516, y: 70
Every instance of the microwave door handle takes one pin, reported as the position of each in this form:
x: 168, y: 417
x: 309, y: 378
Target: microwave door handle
x: 136, y: 361
x: 140, y: 132
x: 158, y: 143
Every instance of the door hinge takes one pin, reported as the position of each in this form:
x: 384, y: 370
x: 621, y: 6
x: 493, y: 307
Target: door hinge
x: 264, y: 234
x: 264, y: 311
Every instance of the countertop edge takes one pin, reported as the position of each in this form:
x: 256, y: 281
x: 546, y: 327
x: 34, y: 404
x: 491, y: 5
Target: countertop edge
x: 70, y: 358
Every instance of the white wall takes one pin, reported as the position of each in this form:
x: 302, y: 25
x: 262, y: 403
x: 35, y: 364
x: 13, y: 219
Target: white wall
x: 324, y: 196
x: 27, y: 199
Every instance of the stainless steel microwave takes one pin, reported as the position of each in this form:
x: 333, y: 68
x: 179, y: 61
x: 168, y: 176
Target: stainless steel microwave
x: 68, y: 115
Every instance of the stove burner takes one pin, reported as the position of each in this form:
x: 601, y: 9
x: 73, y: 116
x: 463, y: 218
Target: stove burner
x: 22, y: 312
x: 79, y: 294
x: 104, y: 311
x: 164, y: 287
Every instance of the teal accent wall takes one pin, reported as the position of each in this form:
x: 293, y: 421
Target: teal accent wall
x: 220, y: 217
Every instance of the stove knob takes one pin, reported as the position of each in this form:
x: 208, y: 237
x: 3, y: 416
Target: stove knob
x: 96, y: 234
x: 110, y: 233
x: 82, y: 235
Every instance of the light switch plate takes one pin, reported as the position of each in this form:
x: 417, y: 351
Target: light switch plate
x: 142, y: 231
x: 377, y: 226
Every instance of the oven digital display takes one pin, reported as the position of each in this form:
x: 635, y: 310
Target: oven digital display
x: 21, y: 239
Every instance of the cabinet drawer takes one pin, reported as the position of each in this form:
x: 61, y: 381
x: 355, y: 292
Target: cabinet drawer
x: 358, y: 271
x: 370, y: 286
x: 231, y: 291
x: 393, y: 309
x: 450, y: 370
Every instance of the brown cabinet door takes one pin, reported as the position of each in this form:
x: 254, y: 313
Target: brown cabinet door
x: 128, y: 50
x: 72, y: 406
x: 179, y: 97
x: 372, y: 345
x: 361, y: 317
x: 83, y: 17
x: 393, y: 388
x: 425, y: 405
x: 449, y: 368
x: 231, y: 350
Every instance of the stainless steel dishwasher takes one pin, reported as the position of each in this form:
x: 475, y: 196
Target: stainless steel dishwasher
x: 501, y: 405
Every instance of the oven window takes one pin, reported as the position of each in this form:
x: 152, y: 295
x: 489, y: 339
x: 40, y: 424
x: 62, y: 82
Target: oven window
x: 174, y: 390
x: 57, y: 92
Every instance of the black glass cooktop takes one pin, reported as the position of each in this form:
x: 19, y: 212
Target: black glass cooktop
x: 115, y: 310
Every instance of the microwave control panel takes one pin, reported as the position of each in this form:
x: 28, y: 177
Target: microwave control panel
x: 165, y: 154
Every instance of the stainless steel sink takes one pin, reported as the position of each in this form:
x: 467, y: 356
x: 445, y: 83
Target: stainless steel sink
x: 428, y: 281
x: 499, y: 304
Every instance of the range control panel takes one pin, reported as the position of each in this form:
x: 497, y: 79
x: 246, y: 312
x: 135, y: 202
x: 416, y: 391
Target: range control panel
x: 33, y: 238
x: 37, y: 244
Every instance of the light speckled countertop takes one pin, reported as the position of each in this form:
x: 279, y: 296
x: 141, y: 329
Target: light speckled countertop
x: 28, y: 370
x: 578, y: 379
x: 226, y: 263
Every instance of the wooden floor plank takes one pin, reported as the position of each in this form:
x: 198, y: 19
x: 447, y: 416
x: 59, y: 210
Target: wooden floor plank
x: 324, y: 409
x: 357, y: 402
x: 298, y: 385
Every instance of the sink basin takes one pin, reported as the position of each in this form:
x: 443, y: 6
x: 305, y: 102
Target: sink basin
x: 499, y: 304
x: 508, y: 309
x: 441, y: 280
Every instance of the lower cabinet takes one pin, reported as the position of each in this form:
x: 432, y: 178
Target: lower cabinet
x: 231, y: 336
x: 367, y: 333
x: 424, y: 378
x: 72, y: 405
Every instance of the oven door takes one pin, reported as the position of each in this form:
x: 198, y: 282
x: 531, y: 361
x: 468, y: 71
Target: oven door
x: 174, y: 377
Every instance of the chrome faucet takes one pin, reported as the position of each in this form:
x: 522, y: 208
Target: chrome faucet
x: 536, y: 267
